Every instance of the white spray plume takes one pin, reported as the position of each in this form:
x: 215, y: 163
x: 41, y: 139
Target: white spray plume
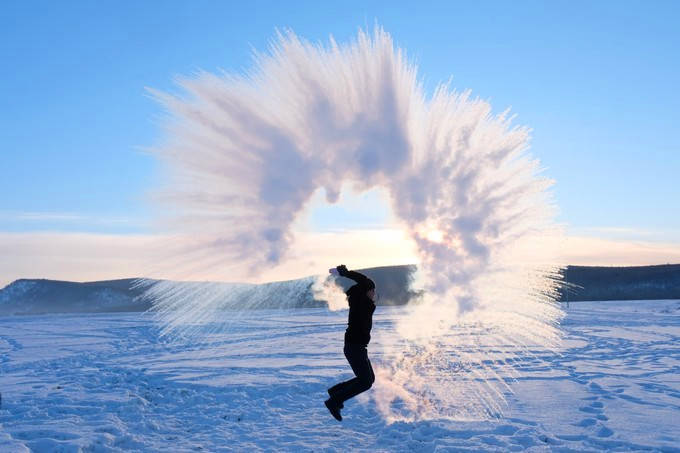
x: 247, y: 152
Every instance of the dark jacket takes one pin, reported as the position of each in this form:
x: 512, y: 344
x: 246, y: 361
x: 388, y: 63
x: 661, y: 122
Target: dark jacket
x: 361, y: 308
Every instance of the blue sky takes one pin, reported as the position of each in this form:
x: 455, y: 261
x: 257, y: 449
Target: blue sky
x: 596, y: 81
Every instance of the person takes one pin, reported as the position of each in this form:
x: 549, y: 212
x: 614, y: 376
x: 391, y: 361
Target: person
x: 357, y: 336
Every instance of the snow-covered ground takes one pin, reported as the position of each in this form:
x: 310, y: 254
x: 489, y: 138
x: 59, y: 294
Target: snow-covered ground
x: 107, y: 383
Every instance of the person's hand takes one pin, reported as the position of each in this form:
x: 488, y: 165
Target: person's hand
x: 342, y: 269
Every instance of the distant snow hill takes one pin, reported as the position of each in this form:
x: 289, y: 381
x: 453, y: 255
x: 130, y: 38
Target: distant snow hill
x: 586, y: 283
x: 38, y: 296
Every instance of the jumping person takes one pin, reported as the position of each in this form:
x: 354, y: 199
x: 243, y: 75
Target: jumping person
x: 357, y: 336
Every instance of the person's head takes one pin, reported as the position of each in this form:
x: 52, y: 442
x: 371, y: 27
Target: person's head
x: 371, y: 290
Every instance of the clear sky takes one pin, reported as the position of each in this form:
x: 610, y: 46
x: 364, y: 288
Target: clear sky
x: 596, y: 81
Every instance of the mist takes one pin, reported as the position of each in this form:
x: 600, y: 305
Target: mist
x: 244, y: 153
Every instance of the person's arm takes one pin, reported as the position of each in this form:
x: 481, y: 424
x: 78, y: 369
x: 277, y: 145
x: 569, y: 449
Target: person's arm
x: 358, y: 277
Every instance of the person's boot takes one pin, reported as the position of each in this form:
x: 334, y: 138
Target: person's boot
x: 333, y: 408
x: 331, y: 393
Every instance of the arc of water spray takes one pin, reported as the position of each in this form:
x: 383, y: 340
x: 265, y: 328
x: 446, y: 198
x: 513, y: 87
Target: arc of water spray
x: 246, y: 153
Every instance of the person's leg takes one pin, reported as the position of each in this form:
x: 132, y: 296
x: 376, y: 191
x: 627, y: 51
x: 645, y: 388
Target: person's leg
x: 355, y: 381
x: 341, y: 386
x: 338, y: 387
x: 357, y: 356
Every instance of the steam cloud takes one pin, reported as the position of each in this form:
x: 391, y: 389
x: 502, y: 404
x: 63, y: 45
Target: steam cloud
x: 247, y: 152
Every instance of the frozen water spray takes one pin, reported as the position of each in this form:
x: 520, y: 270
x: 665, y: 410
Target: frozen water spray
x: 245, y: 153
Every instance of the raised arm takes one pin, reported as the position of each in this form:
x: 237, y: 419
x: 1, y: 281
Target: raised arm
x: 358, y: 277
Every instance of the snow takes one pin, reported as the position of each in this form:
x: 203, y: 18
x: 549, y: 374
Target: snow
x: 106, y: 382
x: 16, y: 290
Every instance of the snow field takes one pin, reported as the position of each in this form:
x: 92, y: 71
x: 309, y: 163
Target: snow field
x: 105, y: 383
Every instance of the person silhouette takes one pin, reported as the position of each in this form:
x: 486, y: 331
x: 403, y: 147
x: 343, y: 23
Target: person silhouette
x: 360, y: 297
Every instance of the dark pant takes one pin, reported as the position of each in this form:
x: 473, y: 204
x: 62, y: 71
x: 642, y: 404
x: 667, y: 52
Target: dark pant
x: 357, y: 356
